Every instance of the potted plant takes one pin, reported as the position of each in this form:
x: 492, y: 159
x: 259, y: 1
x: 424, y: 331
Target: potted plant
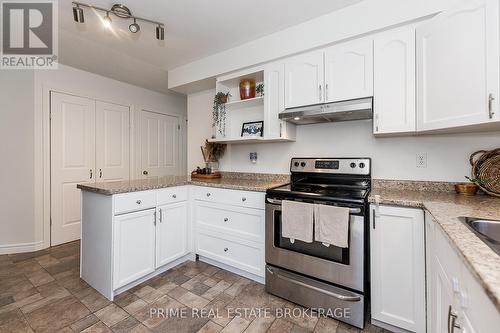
x: 219, y: 112
x: 260, y: 89
x: 212, y: 152
x: 469, y: 188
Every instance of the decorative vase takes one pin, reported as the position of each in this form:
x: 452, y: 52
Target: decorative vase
x: 247, y: 89
x: 466, y: 189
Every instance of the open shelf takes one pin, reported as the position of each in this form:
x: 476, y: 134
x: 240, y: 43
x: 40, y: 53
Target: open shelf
x: 248, y: 140
x: 245, y: 103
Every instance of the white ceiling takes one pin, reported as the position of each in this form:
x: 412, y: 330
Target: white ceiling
x: 194, y: 29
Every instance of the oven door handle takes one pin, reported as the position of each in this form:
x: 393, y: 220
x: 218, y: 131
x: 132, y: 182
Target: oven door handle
x: 278, y: 202
x: 305, y: 285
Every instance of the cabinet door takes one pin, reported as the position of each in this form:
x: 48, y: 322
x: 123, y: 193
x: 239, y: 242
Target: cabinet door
x: 171, y: 233
x: 398, y: 267
x: 394, y: 82
x: 457, y: 67
x: 112, y: 142
x: 441, y: 297
x: 133, y: 246
x: 349, y: 71
x: 304, y: 80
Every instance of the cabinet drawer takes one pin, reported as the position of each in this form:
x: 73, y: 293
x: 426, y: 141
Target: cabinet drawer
x: 231, y: 197
x: 130, y: 202
x: 243, y: 222
x: 248, y: 257
x: 172, y: 194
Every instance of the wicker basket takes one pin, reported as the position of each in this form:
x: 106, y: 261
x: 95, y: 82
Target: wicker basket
x: 487, y: 168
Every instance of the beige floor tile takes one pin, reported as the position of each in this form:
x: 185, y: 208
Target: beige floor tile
x: 84, y: 323
x: 99, y: 327
x: 237, y: 325
x: 135, y: 306
x: 14, y: 322
x: 111, y: 314
x: 95, y: 301
x: 126, y: 325
x: 260, y: 325
x: 39, y: 277
x: 211, y: 293
x: 326, y: 325
x: 280, y: 326
x: 210, y: 327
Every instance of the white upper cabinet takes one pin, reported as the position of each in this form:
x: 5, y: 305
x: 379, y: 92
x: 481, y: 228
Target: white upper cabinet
x: 349, y: 71
x: 304, y: 80
x: 274, y: 103
x: 458, y: 67
x: 394, y: 82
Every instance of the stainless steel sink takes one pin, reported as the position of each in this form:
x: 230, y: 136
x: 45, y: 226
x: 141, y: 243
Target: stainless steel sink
x: 487, y: 230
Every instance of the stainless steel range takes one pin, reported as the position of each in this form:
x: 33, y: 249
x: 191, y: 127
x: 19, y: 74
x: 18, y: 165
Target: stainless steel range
x: 330, y: 278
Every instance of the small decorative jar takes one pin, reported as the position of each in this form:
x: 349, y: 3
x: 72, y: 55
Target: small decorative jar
x: 247, y: 89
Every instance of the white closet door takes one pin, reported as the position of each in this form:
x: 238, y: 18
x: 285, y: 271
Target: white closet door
x: 72, y: 162
x: 159, y: 144
x: 112, y: 142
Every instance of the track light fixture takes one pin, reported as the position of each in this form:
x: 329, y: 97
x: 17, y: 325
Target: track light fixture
x: 78, y: 14
x: 160, y: 32
x: 134, y: 27
x: 119, y: 11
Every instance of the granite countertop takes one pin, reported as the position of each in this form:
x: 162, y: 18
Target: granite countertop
x: 245, y: 182
x: 446, y: 208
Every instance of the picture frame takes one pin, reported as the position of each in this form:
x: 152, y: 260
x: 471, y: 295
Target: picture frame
x: 252, y: 129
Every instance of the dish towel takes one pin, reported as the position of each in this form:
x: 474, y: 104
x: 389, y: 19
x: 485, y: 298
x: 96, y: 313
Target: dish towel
x: 297, y: 221
x: 331, y: 225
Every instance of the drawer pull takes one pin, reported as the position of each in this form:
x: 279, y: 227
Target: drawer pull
x: 208, y: 194
x: 243, y: 199
x: 174, y: 196
x: 138, y: 202
x: 226, y: 249
x: 226, y: 219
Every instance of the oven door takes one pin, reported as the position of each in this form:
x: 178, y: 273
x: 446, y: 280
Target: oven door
x: 344, y: 267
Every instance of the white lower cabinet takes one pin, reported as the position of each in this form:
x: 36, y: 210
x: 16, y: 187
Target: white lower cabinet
x: 456, y: 301
x: 171, y: 233
x: 231, y: 231
x: 133, y: 246
x: 397, y: 263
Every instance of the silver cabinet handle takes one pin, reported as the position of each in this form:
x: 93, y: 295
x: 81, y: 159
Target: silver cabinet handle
x: 326, y: 92
x: 138, y: 202
x: 243, y: 199
x: 91, y: 174
x: 226, y: 219
x: 100, y: 173
x: 374, y: 216
x: 226, y: 249
x: 320, y: 93
x: 490, y: 105
x: 174, y: 196
x: 154, y: 218
x: 208, y: 194
x: 145, y: 173
x: 161, y: 215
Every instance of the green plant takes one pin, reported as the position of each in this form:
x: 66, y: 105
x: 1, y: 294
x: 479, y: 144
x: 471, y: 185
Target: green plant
x: 475, y: 181
x: 219, y: 111
x: 212, y: 151
x: 260, y: 89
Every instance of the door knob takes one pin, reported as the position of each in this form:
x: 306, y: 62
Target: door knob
x: 226, y: 219
x: 174, y: 196
x: 226, y: 249
x: 145, y: 173
x: 243, y: 199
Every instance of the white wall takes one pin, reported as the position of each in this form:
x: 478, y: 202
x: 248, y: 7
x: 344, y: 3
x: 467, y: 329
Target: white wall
x: 364, y: 17
x: 199, y: 106
x: 393, y: 157
x: 17, y: 155
x: 23, y: 133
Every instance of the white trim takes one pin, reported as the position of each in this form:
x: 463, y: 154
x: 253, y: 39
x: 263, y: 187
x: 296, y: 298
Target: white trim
x: 232, y: 269
x: 21, y: 247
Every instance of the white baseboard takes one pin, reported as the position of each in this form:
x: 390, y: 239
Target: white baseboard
x: 21, y: 247
x: 232, y: 269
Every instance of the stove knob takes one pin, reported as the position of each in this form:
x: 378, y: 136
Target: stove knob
x: 303, y: 164
x: 361, y: 165
x: 353, y: 165
x: 296, y: 164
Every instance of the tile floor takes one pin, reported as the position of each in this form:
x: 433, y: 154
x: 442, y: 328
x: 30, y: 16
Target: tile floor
x: 42, y: 292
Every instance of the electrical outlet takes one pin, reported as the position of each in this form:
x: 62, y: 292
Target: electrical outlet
x: 422, y: 160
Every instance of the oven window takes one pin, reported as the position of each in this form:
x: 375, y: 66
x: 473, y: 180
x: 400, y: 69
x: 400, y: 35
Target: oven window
x: 314, y: 249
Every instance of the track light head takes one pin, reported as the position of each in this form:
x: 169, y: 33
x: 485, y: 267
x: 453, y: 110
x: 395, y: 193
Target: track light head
x: 134, y: 27
x: 78, y: 14
x: 107, y: 21
x: 160, y: 32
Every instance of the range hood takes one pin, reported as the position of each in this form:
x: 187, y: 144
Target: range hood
x: 355, y: 109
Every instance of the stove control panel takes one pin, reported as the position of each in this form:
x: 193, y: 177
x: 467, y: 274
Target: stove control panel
x: 350, y: 166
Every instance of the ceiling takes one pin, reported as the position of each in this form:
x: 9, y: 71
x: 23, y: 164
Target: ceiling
x: 194, y: 29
